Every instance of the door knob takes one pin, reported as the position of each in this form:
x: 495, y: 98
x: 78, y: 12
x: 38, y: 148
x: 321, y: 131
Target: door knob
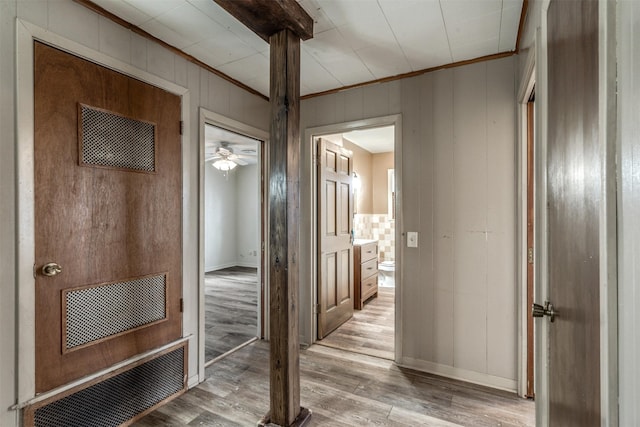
x: 539, y: 311
x: 51, y: 269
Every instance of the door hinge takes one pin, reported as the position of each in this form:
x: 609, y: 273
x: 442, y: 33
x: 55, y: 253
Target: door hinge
x: 181, y: 127
x: 316, y: 309
x: 181, y: 305
x: 530, y: 255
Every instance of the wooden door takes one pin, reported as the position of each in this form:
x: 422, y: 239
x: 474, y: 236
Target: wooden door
x: 573, y: 188
x: 108, y: 211
x: 335, y: 223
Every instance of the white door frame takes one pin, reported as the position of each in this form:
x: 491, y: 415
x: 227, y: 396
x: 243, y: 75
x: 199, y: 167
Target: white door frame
x: 524, y: 92
x: 309, y: 138
x: 223, y: 122
x: 26, y: 34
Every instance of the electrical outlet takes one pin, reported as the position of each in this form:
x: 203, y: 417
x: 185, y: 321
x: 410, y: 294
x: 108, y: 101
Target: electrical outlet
x: 412, y: 239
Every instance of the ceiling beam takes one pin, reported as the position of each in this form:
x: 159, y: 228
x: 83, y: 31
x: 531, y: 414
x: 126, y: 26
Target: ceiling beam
x: 267, y: 17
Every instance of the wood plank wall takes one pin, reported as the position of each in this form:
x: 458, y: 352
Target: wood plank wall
x: 459, y: 136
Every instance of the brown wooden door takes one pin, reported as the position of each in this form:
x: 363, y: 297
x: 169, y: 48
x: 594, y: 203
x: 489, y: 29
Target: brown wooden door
x: 335, y: 251
x: 573, y: 188
x: 108, y: 212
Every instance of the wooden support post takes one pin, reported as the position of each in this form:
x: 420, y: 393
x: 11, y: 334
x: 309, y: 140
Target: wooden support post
x: 282, y: 23
x: 284, y: 223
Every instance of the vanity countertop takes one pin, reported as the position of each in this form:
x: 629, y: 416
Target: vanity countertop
x: 360, y: 242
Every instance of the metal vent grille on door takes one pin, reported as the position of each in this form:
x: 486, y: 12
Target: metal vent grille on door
x: 111, y: 140
x: 120, y: 398
x: 105, y: 310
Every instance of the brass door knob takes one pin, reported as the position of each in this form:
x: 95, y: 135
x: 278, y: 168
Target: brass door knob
x: 51, y: 269
x: 539, y: 311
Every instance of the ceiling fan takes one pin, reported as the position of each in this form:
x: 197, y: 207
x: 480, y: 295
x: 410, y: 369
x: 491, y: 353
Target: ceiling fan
x: 224, y: 158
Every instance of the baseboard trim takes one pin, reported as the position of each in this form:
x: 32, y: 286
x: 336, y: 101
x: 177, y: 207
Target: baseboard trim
x: 219, y: 266
x: 229, y: 265
x: 247, y: 264
x: 460, y: 374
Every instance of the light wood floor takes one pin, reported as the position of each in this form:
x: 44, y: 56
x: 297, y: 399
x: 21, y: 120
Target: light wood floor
x: 342, y: 389
x: 231, y: 309
x: 371, y: 330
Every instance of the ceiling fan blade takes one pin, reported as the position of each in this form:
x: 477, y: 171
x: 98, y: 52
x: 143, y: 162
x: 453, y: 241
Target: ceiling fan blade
x: 239, y: 161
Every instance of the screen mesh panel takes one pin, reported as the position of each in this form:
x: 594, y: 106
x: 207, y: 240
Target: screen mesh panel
x: 112, y: 140
x: 96, y: 313
x: 119, y: 398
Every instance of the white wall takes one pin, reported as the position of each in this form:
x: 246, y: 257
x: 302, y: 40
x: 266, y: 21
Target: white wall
x: 73, y: 21
x: 220, y: 213
x: 248, y: 212
x: 232, y: 217
x: 458, y: 294
x: 629, y: 210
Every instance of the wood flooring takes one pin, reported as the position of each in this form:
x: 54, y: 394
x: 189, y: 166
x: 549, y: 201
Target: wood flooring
x: 231, y: 309
x: 370, y: 330
x: 341, y: 388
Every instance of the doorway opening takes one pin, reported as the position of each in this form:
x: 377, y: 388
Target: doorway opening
x: 232, y: 236
x: 528, y: 223
x: 369, y: 326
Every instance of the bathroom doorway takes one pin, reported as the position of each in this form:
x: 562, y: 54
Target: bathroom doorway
x: 232, y: 236
x: 373, y: 197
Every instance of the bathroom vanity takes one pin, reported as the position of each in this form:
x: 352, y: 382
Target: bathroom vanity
x: 365, y: 271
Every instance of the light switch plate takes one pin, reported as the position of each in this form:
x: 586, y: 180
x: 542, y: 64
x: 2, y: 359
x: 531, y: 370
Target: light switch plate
x: 412, y: 239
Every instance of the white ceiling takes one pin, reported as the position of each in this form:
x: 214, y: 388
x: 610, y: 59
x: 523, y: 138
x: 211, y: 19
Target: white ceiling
x: 355, y: 41
x: 242, y: 146
x: 374, y: 140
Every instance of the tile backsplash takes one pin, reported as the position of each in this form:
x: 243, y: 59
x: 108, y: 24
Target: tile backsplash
x: 377, y: 227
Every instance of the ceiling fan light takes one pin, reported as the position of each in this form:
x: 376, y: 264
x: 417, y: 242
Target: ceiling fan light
x: 224, y: 165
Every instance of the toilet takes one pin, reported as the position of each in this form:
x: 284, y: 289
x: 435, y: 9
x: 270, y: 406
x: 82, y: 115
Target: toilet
x: 386, y: 270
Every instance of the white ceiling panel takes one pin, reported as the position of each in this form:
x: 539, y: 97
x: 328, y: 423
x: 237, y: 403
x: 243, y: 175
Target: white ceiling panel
x: 166, y: 34
x: 190, y: 23
x: 474, y: 29
x: 120, y: 8
x: 375, y: 140
x: 463, y: 10
x: 231, y: 24
x: 361, y: 34
x: 423, y: 57
x: 220, y: 50
x: 355, y: 41
x: 348, y: 70
x: 327, y: 46
x: 384, y: 61
x: 317, y: 77
x: 249, y: 68
x: 473, y: 50
x: 419, y: 28
x: 350, y: 12
x: 416, y: 22
x: 154, y: 8
x: 509, y: 27
x: 321, y: 21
